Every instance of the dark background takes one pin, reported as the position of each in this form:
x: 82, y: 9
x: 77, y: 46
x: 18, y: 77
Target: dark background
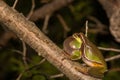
x: 75, y: 16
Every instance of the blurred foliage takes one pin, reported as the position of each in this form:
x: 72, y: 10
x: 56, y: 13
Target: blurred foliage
x: 74, y: 15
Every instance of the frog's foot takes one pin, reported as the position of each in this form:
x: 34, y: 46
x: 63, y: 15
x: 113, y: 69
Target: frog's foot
x: 81, y: 68
x: 96, y: 72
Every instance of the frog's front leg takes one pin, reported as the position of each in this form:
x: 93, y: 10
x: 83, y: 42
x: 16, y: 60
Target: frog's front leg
x: 80, y: 68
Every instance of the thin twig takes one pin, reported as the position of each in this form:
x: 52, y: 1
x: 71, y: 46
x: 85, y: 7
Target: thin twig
x: 20, y: 75
x: 56, y: 76
x: 17, y: 51
x: 24, y: 53
x: 32, y: 9
x: 15, y: 3
x: 86, y: 28
x: 112, y: 58
x: 21, y: 53
x: 44, y: 29
x: 114, y: 69
x: 34, y: 66
x: 64, y: 24
x: 27, y: 69
x: 62, y: 21
x: 109, y: 49
x: 100, y: 26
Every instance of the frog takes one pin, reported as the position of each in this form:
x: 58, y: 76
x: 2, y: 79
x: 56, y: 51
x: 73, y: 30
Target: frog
x: 78, y: 47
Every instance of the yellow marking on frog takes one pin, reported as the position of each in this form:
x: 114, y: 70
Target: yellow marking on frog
x: 77, y: 38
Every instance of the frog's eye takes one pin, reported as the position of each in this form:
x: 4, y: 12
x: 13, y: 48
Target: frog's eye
x: 75, y: 44
x: 76, y: 54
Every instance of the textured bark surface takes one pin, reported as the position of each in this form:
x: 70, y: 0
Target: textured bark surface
x: 28, y: 32
x: 115, y: 25
x: 112, y: 8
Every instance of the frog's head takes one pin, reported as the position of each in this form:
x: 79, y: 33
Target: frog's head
x: 73, y: 46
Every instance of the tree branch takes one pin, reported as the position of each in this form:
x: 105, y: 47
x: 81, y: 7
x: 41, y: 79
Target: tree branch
x: 112, y: 8
x: 29, y: 33
x: 49, y: 9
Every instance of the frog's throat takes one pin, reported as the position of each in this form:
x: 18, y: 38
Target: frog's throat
x: 76, y: 37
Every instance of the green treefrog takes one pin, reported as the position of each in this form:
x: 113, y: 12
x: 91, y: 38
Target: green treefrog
x: 78, y: 47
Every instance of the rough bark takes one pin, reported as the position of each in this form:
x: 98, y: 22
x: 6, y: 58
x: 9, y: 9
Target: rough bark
x: 28, y: 32
x: 112, y: 8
